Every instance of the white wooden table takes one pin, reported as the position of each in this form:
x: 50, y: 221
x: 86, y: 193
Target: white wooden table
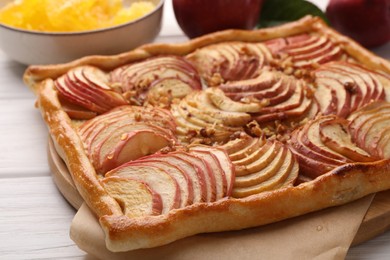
x: 34, y: 217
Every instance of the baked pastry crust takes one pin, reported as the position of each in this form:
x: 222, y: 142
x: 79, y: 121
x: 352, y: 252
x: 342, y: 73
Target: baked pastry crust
x: 339, y: 186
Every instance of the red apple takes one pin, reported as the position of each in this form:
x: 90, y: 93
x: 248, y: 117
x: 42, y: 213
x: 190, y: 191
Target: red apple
x: 366, y: 21
x: 198, y: 17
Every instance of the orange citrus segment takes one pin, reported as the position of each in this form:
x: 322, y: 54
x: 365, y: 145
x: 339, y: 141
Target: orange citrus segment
x: 70, y: 15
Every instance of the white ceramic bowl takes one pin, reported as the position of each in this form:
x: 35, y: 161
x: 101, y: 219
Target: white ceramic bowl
x: 32, y: 47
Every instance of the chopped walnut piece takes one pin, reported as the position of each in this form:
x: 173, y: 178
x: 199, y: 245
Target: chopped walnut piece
x: 215, y: 80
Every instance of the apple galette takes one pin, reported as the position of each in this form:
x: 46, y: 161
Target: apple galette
x: 228, y: 131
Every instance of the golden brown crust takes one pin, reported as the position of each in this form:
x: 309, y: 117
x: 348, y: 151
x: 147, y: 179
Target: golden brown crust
x: 69, y: 146
x: 344, y: 184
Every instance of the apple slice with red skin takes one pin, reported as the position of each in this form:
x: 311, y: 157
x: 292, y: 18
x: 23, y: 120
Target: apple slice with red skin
x: 74, y: 111
x: 384, y: 146
x: 141, y: 75
x: 95, y: 82
x: 231, y: 62
x: 371, y: 125
x: 297, y: 141
x: 308, y: 167
x: 310, y: 137
x: 208, y: 154
x: 262, y: 82
x: 157, y: 179
x: 135, y: 197
x: 205, y: 169
x: 371, y: 78
x: 257, y: 91
x: 88, y: 87
x: 124, y: 115
x: 358, y: 118
x: 226, y: 165
x: 195, y: 176
x: 185, y: 186
x: 334, y: 134
x: 309, y: 49
x: 136, y: 144
x: 74, y: 96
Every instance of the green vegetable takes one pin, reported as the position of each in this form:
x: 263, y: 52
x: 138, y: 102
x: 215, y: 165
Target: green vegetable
x: 275, y: 12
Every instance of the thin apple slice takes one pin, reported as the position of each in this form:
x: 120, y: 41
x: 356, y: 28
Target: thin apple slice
x: 157, y: 179
x: 266, y: 158
x: 312, y: 139
x: 310, y: 167
x: 208, y: 154
x: 129, y: 146
x: 254, y: 145
x: 205, y: 170
x: 227, y: 167
x: 263, y: 81
x: 143, y: 73
x: 221, y: 62
x: 241, y: 142
x: 200, y: 101
x: 195, y: 176
x: 334, y: 134
x: 136, y: 198
x: 253, y: 155
x: 384, y: 146
x: 332, y: 95
x: 358, y: 118
x: 284, y: 176
x: 265, y: 172
x: 381, y: 138
x: 181, y: 178
x: 221, y: 101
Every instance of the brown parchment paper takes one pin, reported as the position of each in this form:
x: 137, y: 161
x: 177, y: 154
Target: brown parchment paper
x: 326, y: 234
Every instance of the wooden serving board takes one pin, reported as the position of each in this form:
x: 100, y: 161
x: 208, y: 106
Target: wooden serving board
x: 375, y: 222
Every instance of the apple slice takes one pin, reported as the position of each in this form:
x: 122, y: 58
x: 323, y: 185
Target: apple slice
x: 226, y: 165
x: 135, y: 197
x: 190, y: 126
x: 241, y: 142
x: 157, y: 179
x: 252, y: 155
x: 204, y: 169
x: 268, y: 163
x: 265, y: 80
x: 195, y: 176
x: 283, y: 175
x: 334, y: 134
x: 210, y: 158
x: 181, y: 178
x: 200, y: 102
x: 125, y: 147
x: 221, y: 62
x: 271, y: 150
x: 87, y: 86
x: 251, y: 147
x: 222, y: 102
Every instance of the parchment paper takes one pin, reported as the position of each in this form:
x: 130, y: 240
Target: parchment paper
x: 325, y: 234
